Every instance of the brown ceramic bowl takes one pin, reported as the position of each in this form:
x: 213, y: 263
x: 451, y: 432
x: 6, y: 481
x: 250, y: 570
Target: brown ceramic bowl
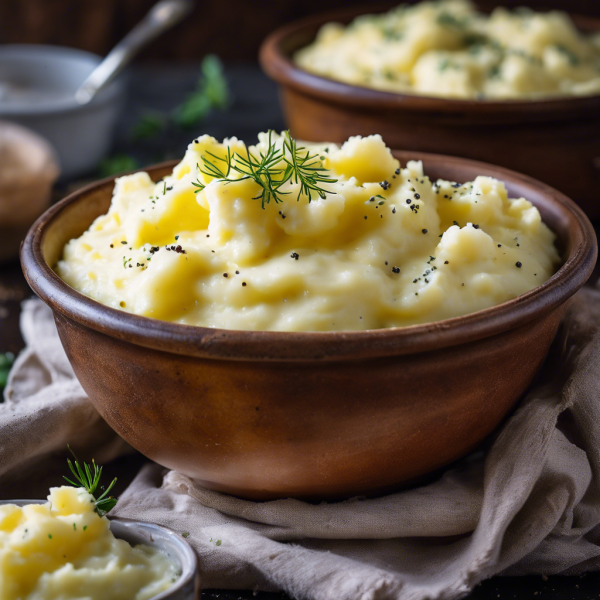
x: 311, y: 415
x: 555, y: 140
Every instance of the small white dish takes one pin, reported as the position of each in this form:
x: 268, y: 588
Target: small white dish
x: 37, y: 89
x: 187, y: 587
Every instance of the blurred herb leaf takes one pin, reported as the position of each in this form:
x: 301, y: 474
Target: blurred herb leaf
x: 6, y: 361
x: 450, y: 20
x: 117, y: 163
x: 149, y: 125
x: 212, y: 91
x: 573, y: 59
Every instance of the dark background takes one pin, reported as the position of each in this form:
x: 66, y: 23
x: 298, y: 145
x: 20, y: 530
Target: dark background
x: 232, y: 29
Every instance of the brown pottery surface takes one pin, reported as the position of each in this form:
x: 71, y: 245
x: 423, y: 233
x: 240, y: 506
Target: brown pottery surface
x: 312, y: 415
x: 556, y: 140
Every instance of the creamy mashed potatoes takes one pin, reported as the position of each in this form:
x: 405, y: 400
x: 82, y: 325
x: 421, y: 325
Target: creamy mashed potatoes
x: 63, y: 549
x: 447, y: 48
x: 386, y: 247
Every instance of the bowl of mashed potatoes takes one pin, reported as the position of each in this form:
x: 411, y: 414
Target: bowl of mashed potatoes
x: 515, y: 87
x: 63, y: 549
x: 331, y: 320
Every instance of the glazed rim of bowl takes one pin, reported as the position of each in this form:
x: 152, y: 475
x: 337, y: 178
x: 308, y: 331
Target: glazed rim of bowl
x: 557, y: 210
x: 277, y: 48
x: 186, y: 553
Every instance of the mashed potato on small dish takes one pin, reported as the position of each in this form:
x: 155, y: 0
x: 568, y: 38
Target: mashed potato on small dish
x: 63, y: 549
x: 384, y: 247
x: 447, y: 48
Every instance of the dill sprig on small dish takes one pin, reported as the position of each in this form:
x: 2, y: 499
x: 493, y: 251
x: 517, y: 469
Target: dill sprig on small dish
x: 270, y: 170
x: 88, y: 477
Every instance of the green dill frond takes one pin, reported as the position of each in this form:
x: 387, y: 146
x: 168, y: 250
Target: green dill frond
x: 271, y: 169
x: 88, y: 477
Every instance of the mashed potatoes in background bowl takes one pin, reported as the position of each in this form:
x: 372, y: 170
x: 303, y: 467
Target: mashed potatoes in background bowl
x: 447, y: 48
x: 329, y: 414
x: 521, y: 122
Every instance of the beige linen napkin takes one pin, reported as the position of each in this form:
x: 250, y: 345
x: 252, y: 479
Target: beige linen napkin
x: 529, y: 504
x: 45, y: 408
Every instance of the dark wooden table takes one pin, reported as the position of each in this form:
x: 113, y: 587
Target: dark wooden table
x: 255, y: 109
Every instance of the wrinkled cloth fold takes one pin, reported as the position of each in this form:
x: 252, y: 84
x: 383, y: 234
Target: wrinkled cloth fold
x: 529, y: 502
x: 44, y: 409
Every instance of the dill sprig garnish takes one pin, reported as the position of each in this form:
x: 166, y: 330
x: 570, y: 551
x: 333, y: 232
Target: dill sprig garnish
x: 88, y: 477
x: 307, y: 170
x: 271, y: 169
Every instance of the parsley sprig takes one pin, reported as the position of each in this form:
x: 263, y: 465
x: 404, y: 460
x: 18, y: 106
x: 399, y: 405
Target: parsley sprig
x: 271, y: 169
x: 88, y: 477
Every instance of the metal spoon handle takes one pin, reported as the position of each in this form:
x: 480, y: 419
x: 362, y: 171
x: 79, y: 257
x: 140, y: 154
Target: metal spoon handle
x: 161, y: 17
